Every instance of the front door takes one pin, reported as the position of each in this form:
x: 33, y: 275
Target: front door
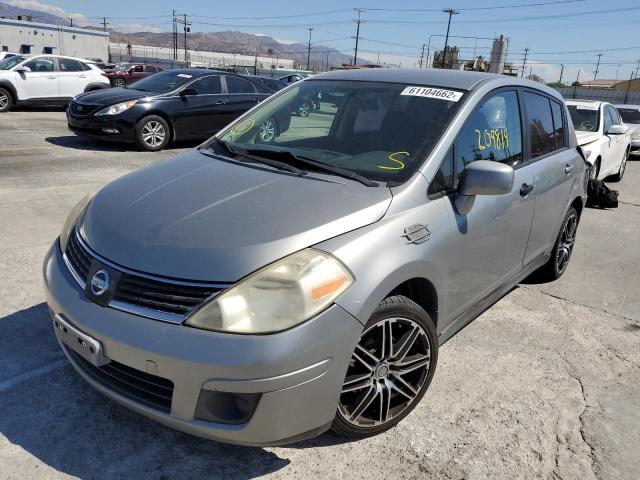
x: 203, y: 114
x: 41, y: 82
x: 486, y: 246
x: 553, y: 164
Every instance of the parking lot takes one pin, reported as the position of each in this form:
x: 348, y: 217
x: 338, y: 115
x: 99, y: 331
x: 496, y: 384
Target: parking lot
x: 545, y: 384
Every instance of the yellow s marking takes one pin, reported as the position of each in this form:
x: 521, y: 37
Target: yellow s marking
x: 400, y: 164
x: 243, y: 127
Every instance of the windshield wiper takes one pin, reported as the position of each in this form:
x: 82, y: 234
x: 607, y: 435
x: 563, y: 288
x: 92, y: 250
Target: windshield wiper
x: 239, y: 152
x: 323, y: 167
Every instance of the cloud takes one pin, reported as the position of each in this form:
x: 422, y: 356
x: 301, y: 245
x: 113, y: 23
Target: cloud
x: 135, y: 27
x: 43, y: 7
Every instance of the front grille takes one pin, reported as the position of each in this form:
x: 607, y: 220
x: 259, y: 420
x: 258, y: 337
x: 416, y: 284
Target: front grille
x: 173, y: 300
x: 150, y: 390
x: 81, y: 109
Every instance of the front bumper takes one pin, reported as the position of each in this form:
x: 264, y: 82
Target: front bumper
x: 298, y: 373
x: 117, y: 128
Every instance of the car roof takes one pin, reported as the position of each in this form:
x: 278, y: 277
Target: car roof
x: 456, y: 79
x: 636, y: 107
x: 594, y: 103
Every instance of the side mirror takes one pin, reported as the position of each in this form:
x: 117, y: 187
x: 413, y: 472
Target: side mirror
x: 130, y: 71
x: 617, y: 130
x: 482, y: 177
x: 187, y: 92
x: 22, y: 69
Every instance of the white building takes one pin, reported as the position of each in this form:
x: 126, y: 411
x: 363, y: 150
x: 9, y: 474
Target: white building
x: 24, y: 36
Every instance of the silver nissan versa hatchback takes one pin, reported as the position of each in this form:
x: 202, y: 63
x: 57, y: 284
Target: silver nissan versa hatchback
x: 261, y: 292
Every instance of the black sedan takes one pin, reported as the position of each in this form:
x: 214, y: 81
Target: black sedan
x: 169, y: 106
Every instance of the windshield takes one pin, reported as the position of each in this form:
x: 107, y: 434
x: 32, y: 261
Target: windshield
x: 585, y: 118
x: 162, y: 82
x: 630, y: 115
x: 381, y: 131
x: 10, y: 62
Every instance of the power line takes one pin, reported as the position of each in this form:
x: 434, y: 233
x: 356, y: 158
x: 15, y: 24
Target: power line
x: 521, y: 5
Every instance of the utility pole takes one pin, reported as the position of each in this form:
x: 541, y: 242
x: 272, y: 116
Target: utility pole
x: 617, y: 71
x: 104, y: 23
x: 255, y: 63
x: 626, y: 95
x: 357, y: 37
x: 186, y: 29
x: 597, y: 67
x: 174, y: 34
x: 70, y: 21
x: 575, y: 85
x: 422, y: 55
x: 637, y: 68
x: 309, y: 48
x: 524, y: 62
x: 530, y: 72
x: 561, y: 72
x: 451, y: 13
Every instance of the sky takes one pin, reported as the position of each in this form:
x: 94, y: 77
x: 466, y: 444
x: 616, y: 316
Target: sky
x: 572, y: 33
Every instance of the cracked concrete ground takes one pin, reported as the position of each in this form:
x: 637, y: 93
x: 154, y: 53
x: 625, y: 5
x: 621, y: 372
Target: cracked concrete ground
x: 545, y: 384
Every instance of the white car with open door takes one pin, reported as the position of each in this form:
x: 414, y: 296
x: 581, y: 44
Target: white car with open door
x: 603, y: 137
x: 46, y: 79
x: 631, y: 117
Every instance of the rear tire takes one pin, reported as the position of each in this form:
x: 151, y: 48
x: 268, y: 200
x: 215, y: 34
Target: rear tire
x: 152, y: 133
x: 268, y: 131
x: 623, y: 165
x: 6, y: 100
x: 304, y: 109
x: 390, y: 370
x: 562, y: 250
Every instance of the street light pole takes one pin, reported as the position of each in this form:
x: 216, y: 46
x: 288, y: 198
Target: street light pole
x: 451, y: 13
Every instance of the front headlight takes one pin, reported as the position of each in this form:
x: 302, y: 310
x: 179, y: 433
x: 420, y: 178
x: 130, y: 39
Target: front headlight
x: 70, y: 222
x: 277, y: 297
x: 117, y: 108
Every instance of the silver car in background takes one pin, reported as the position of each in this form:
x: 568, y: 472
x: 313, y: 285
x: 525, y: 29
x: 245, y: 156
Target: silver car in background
x: 262, y: 293
x: 631, y: 117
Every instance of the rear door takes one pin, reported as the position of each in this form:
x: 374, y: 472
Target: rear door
x: 41, y: 82
x: 553, y: 165
x: 241, y: 96
x: 203, y: 114
x: 72, y: 76
x: 486, y: 245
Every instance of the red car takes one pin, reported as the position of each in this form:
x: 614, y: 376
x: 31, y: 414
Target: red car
x: 126, y: 73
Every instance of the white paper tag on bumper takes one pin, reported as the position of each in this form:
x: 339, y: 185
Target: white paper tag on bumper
x: 438, y: 93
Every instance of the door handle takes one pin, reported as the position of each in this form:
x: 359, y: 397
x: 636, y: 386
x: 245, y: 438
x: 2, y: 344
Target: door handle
x: 526, y: 189
x: 51, y: 77
x: 221, y: 102
x: 568, y: 168
x: 256, y: 100
x: 82, y: 76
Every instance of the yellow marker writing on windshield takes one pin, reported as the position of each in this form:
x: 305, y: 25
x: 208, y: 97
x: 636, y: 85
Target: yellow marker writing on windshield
x: 243, y: 127
x: 400, y: 164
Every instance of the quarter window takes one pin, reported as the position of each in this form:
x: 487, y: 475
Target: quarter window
x: 539, y: 121
x: 40, y: 65
x: 558, y: 125
x: 239, y: 85
x: 208, y: 86
x: 69, y: 65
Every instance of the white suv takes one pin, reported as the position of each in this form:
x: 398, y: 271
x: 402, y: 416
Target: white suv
x: 46, y: 79
x: 604, y: 138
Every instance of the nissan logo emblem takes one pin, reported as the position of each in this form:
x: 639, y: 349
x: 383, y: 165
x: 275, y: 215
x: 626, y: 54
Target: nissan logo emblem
x: 100, y: 282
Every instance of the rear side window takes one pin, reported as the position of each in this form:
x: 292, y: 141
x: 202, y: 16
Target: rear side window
x: 208, y: 86
x: 239, y: 85
x: 69, y: 65
x: 558, y: 125
x: 539, y: 122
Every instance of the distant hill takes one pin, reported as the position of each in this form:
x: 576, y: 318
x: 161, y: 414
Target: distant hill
x: 237, y: 42
x: 227, y: 42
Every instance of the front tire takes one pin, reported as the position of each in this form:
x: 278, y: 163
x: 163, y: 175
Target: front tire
x: 562, y: 250
x: 390, y: 369
x: 6, y: 100
x: 119, y: 82
x: 623, y: 165
x: 152, y: 133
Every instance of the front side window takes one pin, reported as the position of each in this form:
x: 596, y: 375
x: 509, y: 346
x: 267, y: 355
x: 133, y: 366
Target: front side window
x: 40, y: 65
x: 69, y: 65
x: 382, y: 131
x: 492, y: 132
x: 630, y: 115
x: 239, y: 85
x: 539, y: 123
x: 585, y: 118
x: 208, y: 86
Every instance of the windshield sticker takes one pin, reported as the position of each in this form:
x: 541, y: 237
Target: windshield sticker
x: 439, y: 93
x: 243, y: 127
x: 495, y: 137
x: 399, y: 164
x: 185, y: 75
x: 586, y: 107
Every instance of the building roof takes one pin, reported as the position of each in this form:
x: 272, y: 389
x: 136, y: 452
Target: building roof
x: 600, y: 83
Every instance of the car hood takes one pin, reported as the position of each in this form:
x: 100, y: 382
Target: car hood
x: 199, y: 218
x: 109, y: 96
x: 587, y: 137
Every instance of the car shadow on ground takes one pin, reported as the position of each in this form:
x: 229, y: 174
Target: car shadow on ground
x: 89, y: 144
x: 50, y: 412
